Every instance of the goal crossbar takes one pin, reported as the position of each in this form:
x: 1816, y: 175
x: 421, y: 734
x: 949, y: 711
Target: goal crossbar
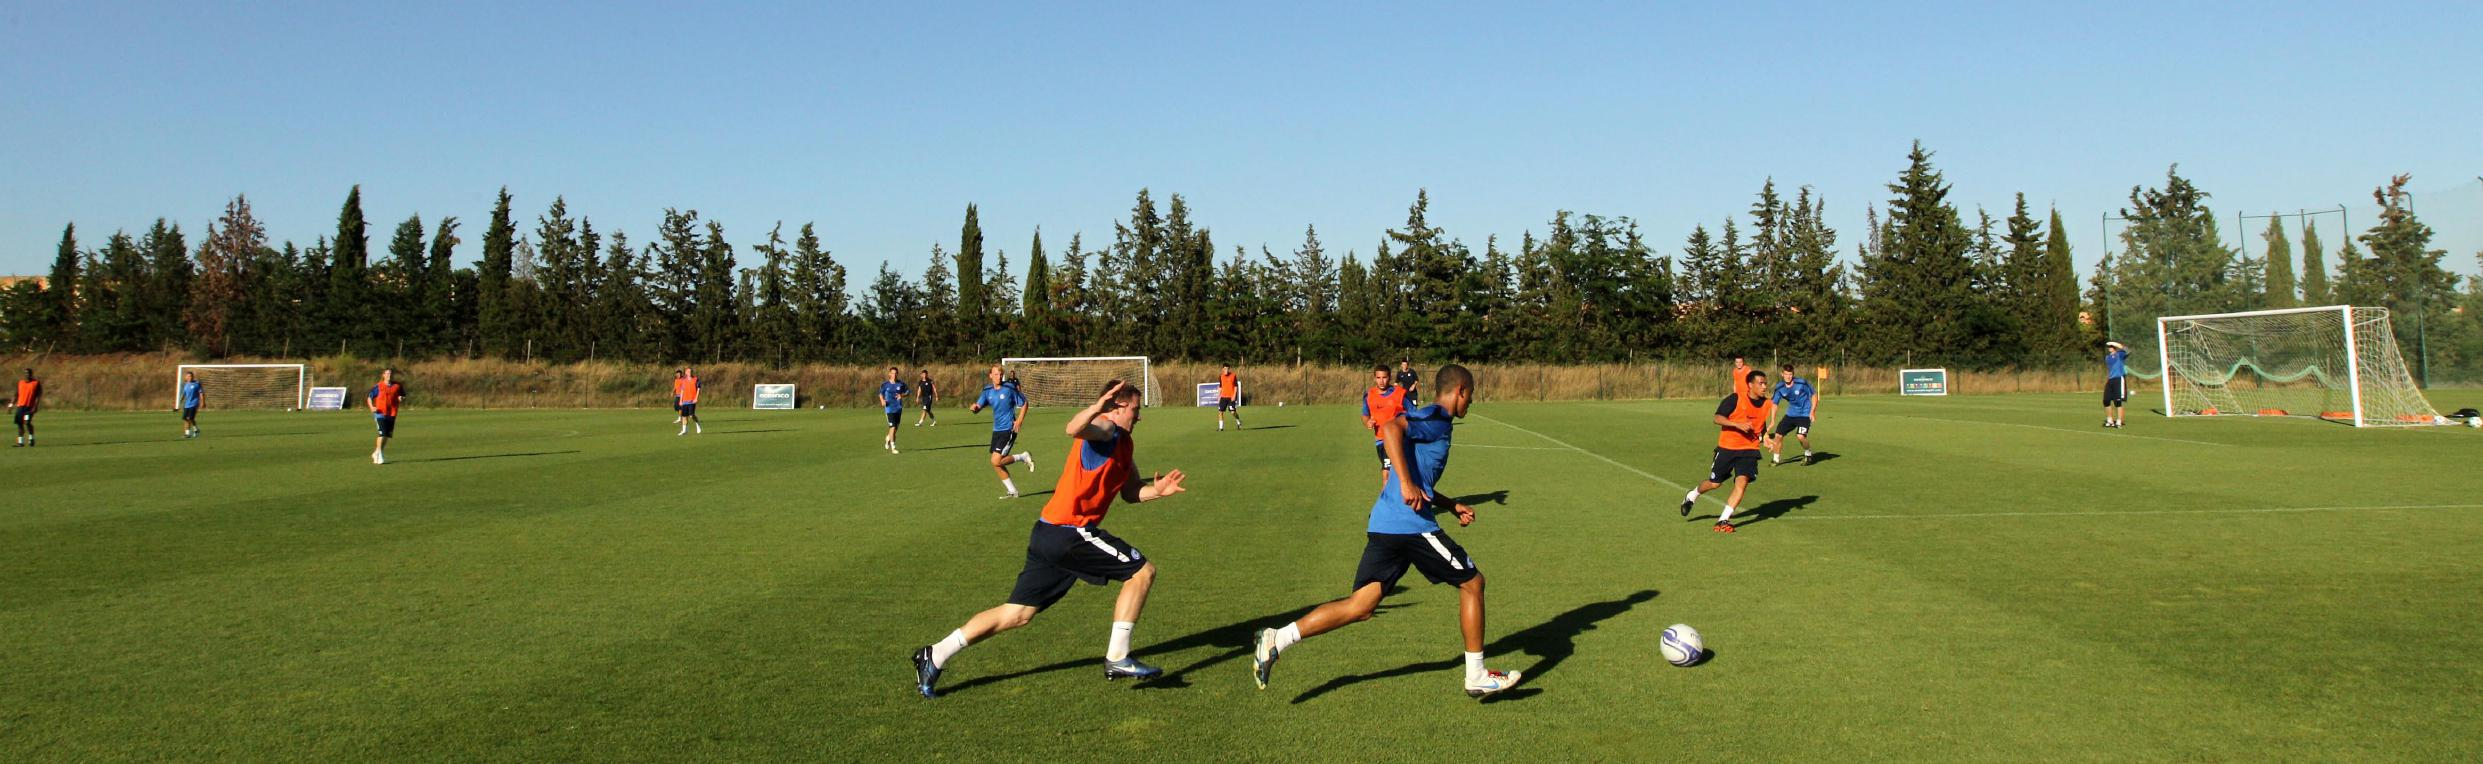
x: 1071, y: 380
x: 2287, y: 362
x: 248, y: 385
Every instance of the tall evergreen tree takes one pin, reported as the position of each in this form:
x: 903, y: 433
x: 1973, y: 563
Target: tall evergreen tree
x: 2054, y: 338
x: 819, y: 298
x: 445, y: 312
x: 972, y: 312
x: 167, y: 294
x: 2315, y: 288
x: 347, y: 303
x: 1036, y: 331
x: 498, y: 322
x: 1925, y: 306
x: 2280, y: 286
x: 60, y: 292
x: 224, y: 257
x: 399, y: 289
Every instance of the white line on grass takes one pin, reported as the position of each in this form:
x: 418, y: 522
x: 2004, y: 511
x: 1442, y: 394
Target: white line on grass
x: 1512, y: 448
x: 2054, y: 429
x: 2255, y: 510
x: 1607, y: 459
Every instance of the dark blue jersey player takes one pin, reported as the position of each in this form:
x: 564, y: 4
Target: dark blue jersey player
x: 1795, y: 397
x: 892, y: 400
x: 191, y: 392
x: 1008, y: 413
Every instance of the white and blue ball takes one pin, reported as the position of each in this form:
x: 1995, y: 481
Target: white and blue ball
x: 1682, y: 645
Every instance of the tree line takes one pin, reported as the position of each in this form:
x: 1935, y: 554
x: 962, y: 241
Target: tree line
x: 1925, y: 283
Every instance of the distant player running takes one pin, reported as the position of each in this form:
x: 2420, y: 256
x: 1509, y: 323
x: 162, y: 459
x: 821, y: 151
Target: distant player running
x: 1007, y: 415
x: 1068, y: 544
x: 686, y: 390
x: 385, y: 398
x: 1228, y: 398
x: 191, y: 393
x: 1408, y: 380
x: 29, y: 398
x: 1402, y: 534
x: 1742, y: 422
x: 892, y: 399
x: 2116, y: 382
x: 1381, y: 403
x: 927, y: 395
x: 1797, y: 397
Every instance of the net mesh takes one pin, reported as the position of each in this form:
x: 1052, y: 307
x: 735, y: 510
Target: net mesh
x: 1077, y: 381
x: 246, y: 387
x: 2292, y: 364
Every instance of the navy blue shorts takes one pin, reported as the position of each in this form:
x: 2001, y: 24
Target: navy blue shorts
x: 387, y: 425
x: 1734, y: 462
x: 896, y: 417
x: 189, y: 413
x: 25, y: 414
x: 2115, y: 392
x: 689, y: 409
x: 1386, y: 556
x: 1059, y: 556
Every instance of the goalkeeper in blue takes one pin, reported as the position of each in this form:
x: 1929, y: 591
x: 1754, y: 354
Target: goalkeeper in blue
x: 1795, y: 397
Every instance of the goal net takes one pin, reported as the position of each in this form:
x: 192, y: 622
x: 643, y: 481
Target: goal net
x: 2338, y: 362
x: 279, y: 386
x: 1077, y: 381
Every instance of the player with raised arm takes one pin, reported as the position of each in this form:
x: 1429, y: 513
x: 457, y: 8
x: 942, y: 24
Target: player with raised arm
x: 191, y: 393
x: 29, y: 398
x: 1383, y: 402
x: 2116, y: 382
x: 1742, y: 426
x: 1228, y: 398
x: 685, y: 389
x: 385, y: 399
x: 1007, y: 415
x: 1403, y: 533
x: 1797, y: 396
x: 1407, y: 380
x: 892, y: 399
x: 927, y: 396
x: 1068, y: 543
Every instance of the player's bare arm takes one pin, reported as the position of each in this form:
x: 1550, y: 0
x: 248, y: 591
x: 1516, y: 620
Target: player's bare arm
x: 1082, y: 425
x: 1392, y: 438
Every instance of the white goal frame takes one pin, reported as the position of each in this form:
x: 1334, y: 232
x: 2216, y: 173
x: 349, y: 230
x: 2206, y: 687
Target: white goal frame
x: 2353, y: 354
x: 1146, y: 369
x: 301, y: 379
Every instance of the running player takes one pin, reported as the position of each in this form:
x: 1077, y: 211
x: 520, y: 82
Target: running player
x: 385, y: 398
x: 2116, y: 382
x: 676, y: 394
x: 1007, y: 415
x: 892, y: 399
x: 1068, y: 544
x: 1742, y: 419
x: 1403, y: 533
x: 1797, y: 396
x: 927, y: 396
x: 1407, y: 379
x: 1381, y: 403
x: 1228, y: 398
x: 685, y: 390
x: 29, y: 397
x: 191, y: 393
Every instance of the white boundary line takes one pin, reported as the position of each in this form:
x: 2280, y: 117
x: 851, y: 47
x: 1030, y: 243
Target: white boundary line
x: 1512, y: 448
x: 2257, y: 510
x: 1606, y: 459
x: 2054, y: 429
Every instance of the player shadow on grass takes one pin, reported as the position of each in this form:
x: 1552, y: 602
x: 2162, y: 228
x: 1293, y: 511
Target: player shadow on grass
x: 1551, y: 642
x: 1768, y: 511
x: 955, y: 447
x: 170, y: 439
x: 752, y: 432
x: 1821, y: 457
x: 1269, y: 427
x: 484, y: 456
x: 1500, y: 497
x: 1232, y: 641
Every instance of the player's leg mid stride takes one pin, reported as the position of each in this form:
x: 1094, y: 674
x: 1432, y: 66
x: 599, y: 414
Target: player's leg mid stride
x: 1068, y: 544
x: 1403, y: 534
x: 892, y: 399
x: 1798, y: 397
x: 1741, y: 421
x: 1008, y: 413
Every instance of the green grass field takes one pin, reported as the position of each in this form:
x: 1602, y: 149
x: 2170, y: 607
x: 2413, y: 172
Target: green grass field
x: 1989, y: 578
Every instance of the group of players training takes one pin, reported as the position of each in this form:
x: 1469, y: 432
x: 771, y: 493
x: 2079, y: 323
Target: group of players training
x: 1068, y: 543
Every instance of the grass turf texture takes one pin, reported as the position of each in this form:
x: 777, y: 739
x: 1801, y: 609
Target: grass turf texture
x: 1967, y: 578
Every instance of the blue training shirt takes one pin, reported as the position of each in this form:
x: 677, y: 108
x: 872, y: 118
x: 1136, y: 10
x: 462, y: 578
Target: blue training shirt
x: 1796, y: 395
x: 1003, y: 402
x: 2116, y: 363
x: 892, y: 395
x: 190, y: 393
x: 1427, y: 435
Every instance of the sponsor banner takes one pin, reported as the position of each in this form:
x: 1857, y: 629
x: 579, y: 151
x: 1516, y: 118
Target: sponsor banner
x: 1923, y: 381
x: 327, y: 399
x: 772, y: 397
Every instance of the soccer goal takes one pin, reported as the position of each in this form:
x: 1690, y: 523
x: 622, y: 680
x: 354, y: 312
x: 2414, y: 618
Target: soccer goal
x: 1076, y: 381
x: 2338, y: 362
x: 280, y: 386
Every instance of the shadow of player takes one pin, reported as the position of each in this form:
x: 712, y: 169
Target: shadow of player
x: 1822, y: 456
x: 1231, y: 641
x: 1500, y: 497
x: 483, y: 456
x: 1551, y: 642
x: 1773, y: 510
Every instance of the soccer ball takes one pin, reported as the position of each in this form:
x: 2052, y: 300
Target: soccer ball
x: 2474, y: 421
x: 1682, y: 645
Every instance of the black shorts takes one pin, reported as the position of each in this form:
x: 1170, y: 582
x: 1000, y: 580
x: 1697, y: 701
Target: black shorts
x: 1793, y: 425
x: 1059, y: 556
x: 1003, y: 440
x: 927, y: 404
x: 24, y: 414
x: 1382, y: 450
x: 189, y: 413
x: 2115, y: 392
x: 896, y: 417
x: 1224, y: 404
x: 689, y: 409
x: 387, y: 425
x: 1386, y: 555
x: 1730, y: 463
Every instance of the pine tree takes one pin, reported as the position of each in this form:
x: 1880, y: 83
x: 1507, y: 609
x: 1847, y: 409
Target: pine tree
x: 222, y: 280
x: 167, y: 294
x: 2055, y: 340
x: 972, y: 310
x: 399, y: 304
x: 1037, y: 333
x: 2315, y: 288
x: 934, y: 327
x: 819, y: 298
x: 445, y: 312
x: 1927, y: 307
x: 716, y: 321
x: 2404, y: 275
x: 114, y: 319
x: 2280, y: 286
x: 347, y: 304
x: 60, y: 293
x: 673, y: 289
x: 497, y: 321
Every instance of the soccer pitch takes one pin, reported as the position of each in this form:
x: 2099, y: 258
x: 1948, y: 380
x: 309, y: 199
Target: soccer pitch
x: 1989, y: 578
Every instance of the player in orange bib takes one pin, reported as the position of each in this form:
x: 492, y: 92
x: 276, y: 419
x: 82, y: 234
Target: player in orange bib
x: 685, y: 397
x: 1068, y: 544
x: 29, y: 396
x: 1381, y: 404
x: 1741, y: 420
x: 385, y: 398
x: 1228, y: 398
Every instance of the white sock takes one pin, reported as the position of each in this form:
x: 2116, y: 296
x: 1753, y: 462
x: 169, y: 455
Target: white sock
x: 1806, y: 452
x: 701, y: 428
x: 1474, y: 667
x: 1285, y: 637
x: 1022, y: 458
x: 947, y: 648
x: 1118, y: 649
x: 1728, y: 514
x: 1009, y: 484
x: 684, y: 428
x: 1693, y: 495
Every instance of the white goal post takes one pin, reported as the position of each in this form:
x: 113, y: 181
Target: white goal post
x: 2336, y: 362
x: 1076, y: 381
x: 279, y: 386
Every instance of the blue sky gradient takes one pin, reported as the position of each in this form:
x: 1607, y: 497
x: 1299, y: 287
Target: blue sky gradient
x: 881, y: 121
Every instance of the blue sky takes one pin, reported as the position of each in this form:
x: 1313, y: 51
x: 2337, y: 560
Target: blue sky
x: 881, y: 121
